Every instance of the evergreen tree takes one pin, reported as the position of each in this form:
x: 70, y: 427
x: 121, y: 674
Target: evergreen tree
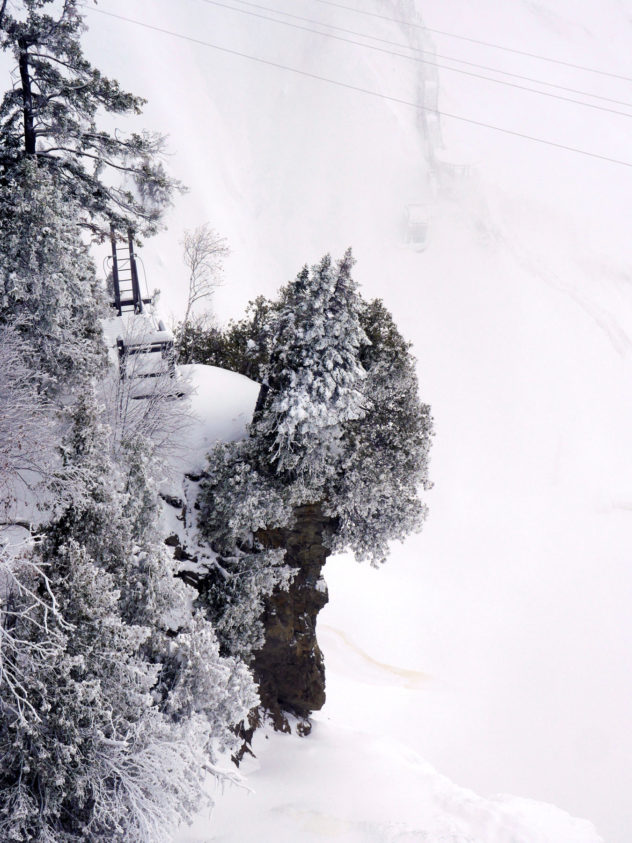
x: 83, y: 756
x: 243, y: 346
x: 50, y: 115
x: 199, y: 341
x: 314, y: 381
x: 133, y: 699
x: 26, y: 432
x: 308, y: 347
x: 236, y: 501
x: 49, y: 291
x: 248, y: 342
x: 114, y: 697
x: 89, y: 758
x: 339, y: 424
x: 374, y: 498
x: 195, y: 678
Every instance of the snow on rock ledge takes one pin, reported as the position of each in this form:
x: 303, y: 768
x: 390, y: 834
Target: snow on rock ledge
x: 221, y: 407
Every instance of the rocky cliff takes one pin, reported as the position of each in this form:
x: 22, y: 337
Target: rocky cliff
x: 290, y: 668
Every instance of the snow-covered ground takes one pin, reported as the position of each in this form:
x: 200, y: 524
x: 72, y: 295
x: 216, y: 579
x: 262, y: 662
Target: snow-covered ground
x: 390, y: 795
x: 220, y: 406
x: 496, y: 645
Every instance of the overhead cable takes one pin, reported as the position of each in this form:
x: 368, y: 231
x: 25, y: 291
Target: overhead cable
x: 476, y: 41
x: 432, y: 53
x: 422, y: 61
x: 361, y: 90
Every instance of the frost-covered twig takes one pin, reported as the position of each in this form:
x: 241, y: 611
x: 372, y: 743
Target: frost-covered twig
x: 32, y: 629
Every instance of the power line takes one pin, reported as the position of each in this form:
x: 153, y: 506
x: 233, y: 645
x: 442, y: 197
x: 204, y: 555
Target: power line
x: 358, y: 89
x: 475, y: 41
x: 433, y: 53
x: 419, y: 60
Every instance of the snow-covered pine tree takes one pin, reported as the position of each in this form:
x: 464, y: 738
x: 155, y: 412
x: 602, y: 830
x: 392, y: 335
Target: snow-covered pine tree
x: 91, y: 757
x: 247, y: 343
x: 49, y: 290
x: 134, y: 698
x: 243, y: 346
x: 340, y: 427
x: 315, y: 377
x: 50, y: 114
x: 195, y: 678
x: 26, y: 430
x: 374, y: 498
x: 236, y: 501
x: 82, y: 758
x: 134, y: 695
x: 314, y: 385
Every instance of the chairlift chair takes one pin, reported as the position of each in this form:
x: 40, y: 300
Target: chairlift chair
x: 416, y: 222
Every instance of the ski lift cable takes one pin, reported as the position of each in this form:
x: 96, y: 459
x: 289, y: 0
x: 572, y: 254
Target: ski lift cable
x: 476, y: 41
x: 424, y: 61
x: 432, y: 53
x: 366, y: 91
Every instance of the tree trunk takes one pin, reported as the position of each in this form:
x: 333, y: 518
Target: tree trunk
x: 3, y: 9
x: 27, y: 98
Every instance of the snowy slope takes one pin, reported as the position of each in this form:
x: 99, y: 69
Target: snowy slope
x: 514, y: 601
x: 390, y: 796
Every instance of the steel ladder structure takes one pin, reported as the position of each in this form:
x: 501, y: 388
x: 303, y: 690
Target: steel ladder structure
x: 129, y: 300
x: 127, y: 295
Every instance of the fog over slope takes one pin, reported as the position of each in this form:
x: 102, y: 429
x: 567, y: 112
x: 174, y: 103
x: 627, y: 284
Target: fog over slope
x: 514, y: 601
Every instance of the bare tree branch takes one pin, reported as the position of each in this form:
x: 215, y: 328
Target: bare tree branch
x: 204, y: 253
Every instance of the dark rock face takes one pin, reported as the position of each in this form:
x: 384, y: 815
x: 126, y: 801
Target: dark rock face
x: 289, y: 668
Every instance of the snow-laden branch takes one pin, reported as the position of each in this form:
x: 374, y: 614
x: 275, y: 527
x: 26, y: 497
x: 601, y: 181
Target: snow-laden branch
x: 26, y: 429
x: 32, y: 629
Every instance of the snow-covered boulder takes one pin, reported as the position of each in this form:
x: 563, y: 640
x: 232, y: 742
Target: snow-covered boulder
x: 221, y: 406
